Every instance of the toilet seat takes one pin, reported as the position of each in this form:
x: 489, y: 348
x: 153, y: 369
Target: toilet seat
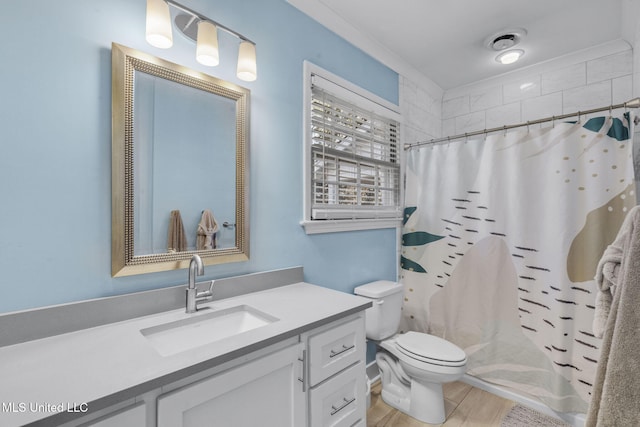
x: 430, y: 349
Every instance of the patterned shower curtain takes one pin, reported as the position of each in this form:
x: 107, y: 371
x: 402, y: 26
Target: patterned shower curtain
x: 501, y: 240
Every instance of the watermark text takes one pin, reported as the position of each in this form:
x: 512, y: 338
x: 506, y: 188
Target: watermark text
x: 44, y: 407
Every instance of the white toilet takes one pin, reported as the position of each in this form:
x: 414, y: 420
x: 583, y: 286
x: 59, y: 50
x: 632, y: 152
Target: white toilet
x: 413, y: 366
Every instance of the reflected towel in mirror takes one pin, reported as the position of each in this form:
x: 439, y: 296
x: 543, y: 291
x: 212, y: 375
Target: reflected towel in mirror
x: 177, y: 239
x: 207, y: 231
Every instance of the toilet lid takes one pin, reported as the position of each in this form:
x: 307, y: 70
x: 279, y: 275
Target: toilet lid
x: 431, y: 349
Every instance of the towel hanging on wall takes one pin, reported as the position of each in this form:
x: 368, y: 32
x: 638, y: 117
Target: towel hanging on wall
x: 207, y: 229
x: 608, y: 274
x: 176, y: 240
x: 616, y: 391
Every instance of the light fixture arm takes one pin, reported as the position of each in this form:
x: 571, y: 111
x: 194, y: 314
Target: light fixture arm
x: 201, y: 17
x: 191, y: 21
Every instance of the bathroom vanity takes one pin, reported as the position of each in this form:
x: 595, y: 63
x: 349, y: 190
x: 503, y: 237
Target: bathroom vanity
x: 295, y: 358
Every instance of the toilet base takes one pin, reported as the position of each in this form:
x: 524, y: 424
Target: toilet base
x: 395, y: 385
x: 416, y: 392
x: 427, y: 402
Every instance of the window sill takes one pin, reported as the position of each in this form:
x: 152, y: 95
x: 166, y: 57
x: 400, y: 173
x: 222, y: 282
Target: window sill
x: 336, y: 226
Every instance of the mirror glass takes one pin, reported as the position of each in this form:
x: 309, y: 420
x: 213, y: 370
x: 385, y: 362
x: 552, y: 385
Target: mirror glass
x: 179, y: 166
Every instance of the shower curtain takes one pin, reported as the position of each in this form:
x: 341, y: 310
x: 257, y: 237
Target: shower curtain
x: 501, y: 239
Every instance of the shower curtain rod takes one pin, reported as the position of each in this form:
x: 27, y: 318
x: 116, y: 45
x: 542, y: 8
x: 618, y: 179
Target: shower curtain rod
x: 634, y: 103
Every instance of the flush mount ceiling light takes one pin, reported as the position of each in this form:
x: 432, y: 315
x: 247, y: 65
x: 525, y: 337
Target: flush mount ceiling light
x: 503, y: 41
x: 509, y: 56
x: 202, y: 30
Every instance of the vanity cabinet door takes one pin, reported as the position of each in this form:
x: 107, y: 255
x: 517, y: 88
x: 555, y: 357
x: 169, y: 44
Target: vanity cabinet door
x: 264, y: 392
x: 336, y: 372
x: 339, y: 401
x: 335, y: 349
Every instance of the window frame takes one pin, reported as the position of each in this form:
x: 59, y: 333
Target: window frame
x: 366, y: 100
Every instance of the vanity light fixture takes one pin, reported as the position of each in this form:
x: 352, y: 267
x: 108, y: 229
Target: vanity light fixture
x: 509, y: 56
x: 247, y: 61
x: 207, y: 44
x: 202, y: 30
x: 159, y: 24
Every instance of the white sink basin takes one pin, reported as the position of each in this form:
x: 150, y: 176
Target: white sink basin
x: 201, y: 329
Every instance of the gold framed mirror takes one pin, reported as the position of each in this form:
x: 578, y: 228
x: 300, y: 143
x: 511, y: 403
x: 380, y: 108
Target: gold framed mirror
x: 179, y: 166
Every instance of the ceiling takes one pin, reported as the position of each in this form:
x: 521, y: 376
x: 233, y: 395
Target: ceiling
x: 445, y: 40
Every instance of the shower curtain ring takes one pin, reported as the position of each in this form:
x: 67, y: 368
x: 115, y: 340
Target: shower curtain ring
x: 528, y: 124
x: 579, y: 118
x: 553, y: 121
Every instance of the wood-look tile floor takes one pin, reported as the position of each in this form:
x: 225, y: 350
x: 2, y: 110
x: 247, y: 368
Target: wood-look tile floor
x: 464, y: 405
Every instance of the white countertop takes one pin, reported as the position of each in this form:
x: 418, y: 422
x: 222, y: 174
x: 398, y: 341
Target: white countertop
x: 91, y: 364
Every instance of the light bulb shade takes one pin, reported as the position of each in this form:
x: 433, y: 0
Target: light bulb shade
x: 159, y: 24
x: 207, y: 44
x: 510, y: 56
x: 247, y: 61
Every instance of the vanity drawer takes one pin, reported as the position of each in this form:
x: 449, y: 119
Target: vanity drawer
x: 335, y: 349
x: 340, y: 401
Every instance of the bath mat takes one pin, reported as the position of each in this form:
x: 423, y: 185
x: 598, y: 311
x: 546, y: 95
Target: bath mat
x: 521, y: 416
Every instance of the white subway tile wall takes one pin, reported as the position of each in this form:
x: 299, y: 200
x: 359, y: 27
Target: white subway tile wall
x: 577, y: 87
x: 421, y: 113
x: 622, y: 89
x: 486, y: 99
x: 566, y: 78
x: 610, y: 67
x: 610, y: 79
x: 586, y: 97
x: 502, y: 114
x: 521, y: 89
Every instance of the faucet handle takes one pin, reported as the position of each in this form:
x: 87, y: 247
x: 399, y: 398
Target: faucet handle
x: 208, y: 293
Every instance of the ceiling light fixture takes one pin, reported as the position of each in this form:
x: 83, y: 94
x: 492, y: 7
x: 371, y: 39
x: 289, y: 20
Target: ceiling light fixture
x: 202, y: 30
x: 509, y: 56
x: 505, y: 39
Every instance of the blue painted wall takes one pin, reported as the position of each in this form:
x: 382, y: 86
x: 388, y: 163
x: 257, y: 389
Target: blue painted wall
x: 55, y: 134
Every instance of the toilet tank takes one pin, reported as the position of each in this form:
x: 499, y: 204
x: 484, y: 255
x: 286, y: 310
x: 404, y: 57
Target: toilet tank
x: 383, y: 318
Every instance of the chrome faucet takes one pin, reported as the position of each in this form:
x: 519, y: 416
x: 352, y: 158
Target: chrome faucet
x: 193, y: 296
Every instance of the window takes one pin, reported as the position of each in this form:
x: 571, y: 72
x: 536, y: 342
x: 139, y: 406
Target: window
x: 352, y: 156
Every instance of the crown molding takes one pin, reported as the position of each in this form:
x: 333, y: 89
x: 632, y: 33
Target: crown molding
x: 324, y: 15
